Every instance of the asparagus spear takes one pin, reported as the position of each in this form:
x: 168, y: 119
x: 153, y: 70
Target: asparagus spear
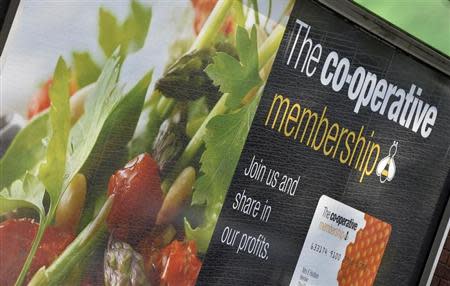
x: 159, y: 109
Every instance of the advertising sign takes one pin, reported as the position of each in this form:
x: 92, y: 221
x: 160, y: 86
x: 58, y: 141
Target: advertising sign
x: 220, y: 142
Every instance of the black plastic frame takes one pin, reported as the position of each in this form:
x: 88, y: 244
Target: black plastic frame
x: 7, y: 22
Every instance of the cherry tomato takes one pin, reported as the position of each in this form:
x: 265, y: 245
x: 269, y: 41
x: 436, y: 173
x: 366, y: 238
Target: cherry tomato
x: 138, y: 198
x: 178, y: 264
x: 150, y: 248
x: 202, y: 10
x: 40, y: 101
x: 16, y: 237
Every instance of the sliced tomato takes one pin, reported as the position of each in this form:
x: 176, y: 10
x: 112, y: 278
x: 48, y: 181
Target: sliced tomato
x: 178, y: 264
x: 138, y: 198
x: 16, y: 237
x: 202, y: 10
x: 40, y: 101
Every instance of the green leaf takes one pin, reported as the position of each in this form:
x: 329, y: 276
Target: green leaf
x: 52, y: 171
x: 225, y: 137
x: 203, y: 233
x: 237, y: 77
x: 118, y: 129
x: 136, y: 25
x: 26, y: 193
x: 129, y: 35
x: 224, y: 140
x: 99, y: 105
x: 110, y: 32
x: 25, y: 152
x: 87, y: 71
x: 143, y: 142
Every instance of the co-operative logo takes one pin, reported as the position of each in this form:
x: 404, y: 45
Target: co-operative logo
x: 386, y: 167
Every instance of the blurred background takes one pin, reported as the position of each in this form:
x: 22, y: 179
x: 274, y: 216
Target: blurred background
x: 427, y: 20
x: 47, y: 29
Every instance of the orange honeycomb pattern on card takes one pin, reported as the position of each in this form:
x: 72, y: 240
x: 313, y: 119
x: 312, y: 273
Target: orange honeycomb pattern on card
x: 363, y: 257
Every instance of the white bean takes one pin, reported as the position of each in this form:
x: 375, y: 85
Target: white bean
x: 68, y: 212
x: 179, y: 193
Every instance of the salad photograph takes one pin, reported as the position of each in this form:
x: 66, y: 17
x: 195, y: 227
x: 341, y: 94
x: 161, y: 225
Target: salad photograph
x: 120, y: 133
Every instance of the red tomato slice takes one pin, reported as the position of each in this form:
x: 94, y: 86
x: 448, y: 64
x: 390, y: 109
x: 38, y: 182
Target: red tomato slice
x: 178, y: 264
x: 202, y: 10
x: 40, y: 101
x: 138, y: 198
x: 16, y: 237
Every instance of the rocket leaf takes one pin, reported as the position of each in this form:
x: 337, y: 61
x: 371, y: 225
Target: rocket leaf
x: 110, y: 32
x: 237, y: 77
x: 129, y: 35
x: 28, y: 193
x: 98, y: 107
x: 224, y: 140
x: 86, y: 69
x: 52, y: 170
x: 25, y: 152
x: 137, y: 25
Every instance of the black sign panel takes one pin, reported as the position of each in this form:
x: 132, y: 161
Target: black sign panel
x: 347, y: 116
